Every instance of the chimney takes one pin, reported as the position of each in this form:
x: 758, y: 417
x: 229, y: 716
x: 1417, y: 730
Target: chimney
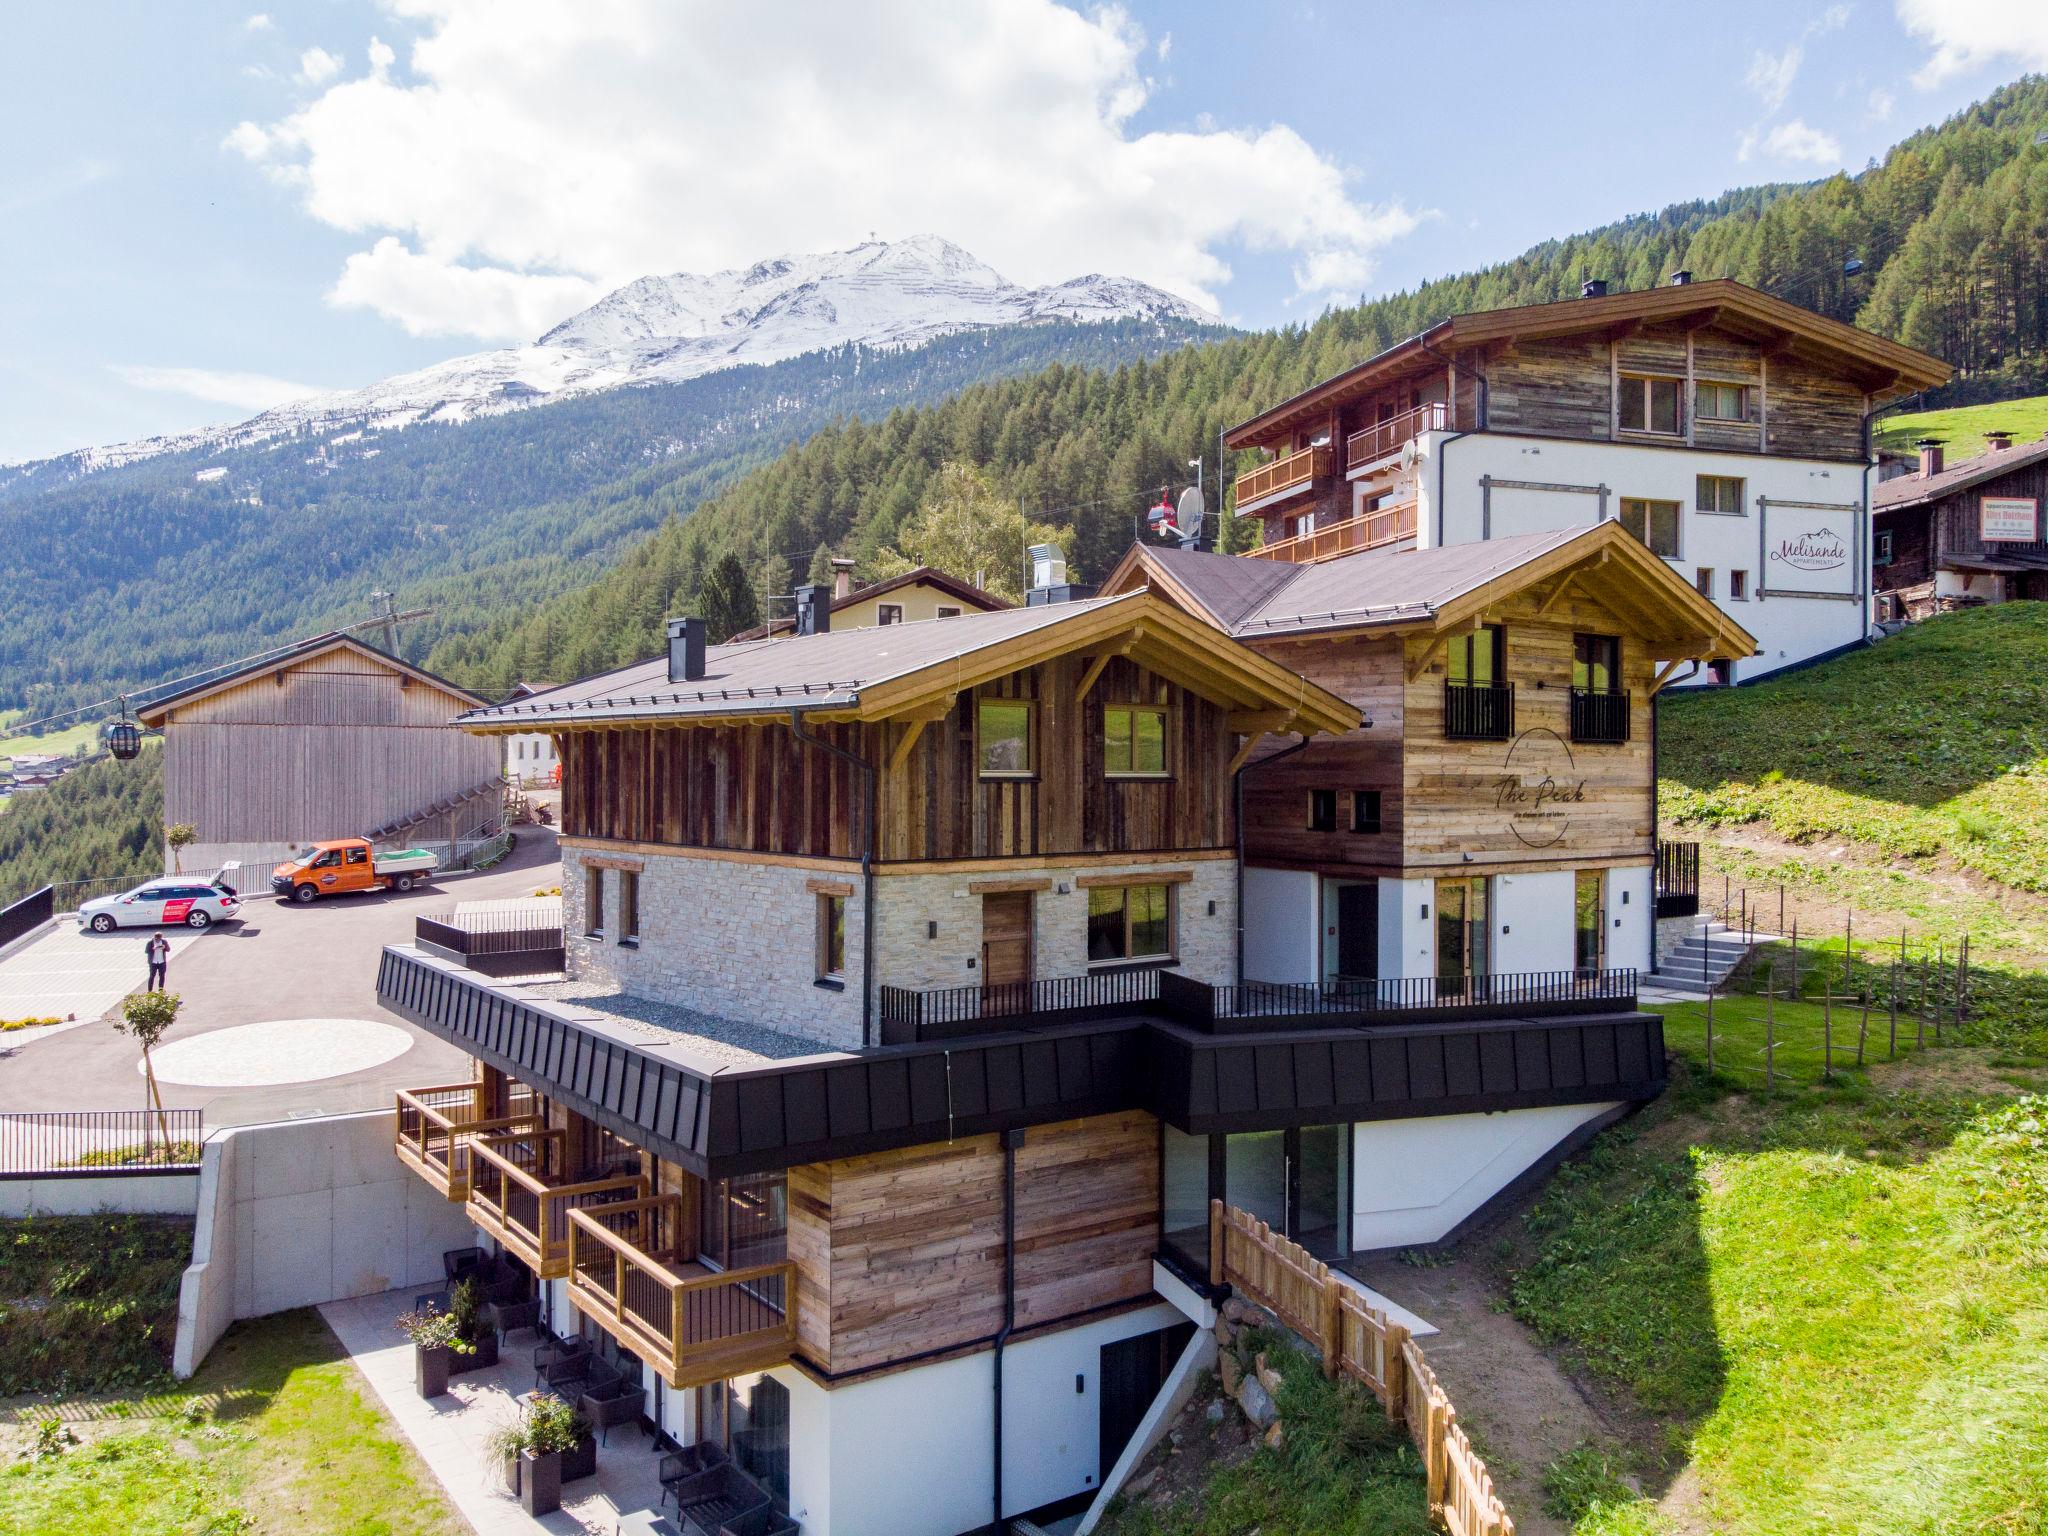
x: 1997, y: 440
x: 813, y: 610
x: 1930, y: 456
x: 1681, y: 277
x: 1593, y: 288
x: 686, y: 650
x: 842, y: 578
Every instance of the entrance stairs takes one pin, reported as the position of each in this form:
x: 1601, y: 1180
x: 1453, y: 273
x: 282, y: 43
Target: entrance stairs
x: 1704, y: 958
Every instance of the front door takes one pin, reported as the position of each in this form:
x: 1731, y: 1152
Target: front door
x: 1006, y: 951
x: 1589, y: 923
x: 1461, y: 932
x: 1358, y: 931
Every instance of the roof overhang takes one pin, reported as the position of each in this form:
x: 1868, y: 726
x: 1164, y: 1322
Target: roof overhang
x: 154, y: 715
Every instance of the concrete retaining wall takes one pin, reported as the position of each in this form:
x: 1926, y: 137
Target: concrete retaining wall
x: 158, y: 1192
x: 299, y: 1212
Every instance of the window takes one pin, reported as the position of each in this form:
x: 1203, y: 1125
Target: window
x: 1721, y: 402
x: 520, y: 749
x: 831, y: 938
x: 1738, y: 586
x: 1719, y: 493
x: 1596, y: 663
x: 1365, y: 810
x: 1589, y: 926
x: 1129, y: 922
x: 889, y: 613
x: 1703, y: 580
x: 629, y: 907
x: 1654, y: 522
x: 1322, y: 810
x: 1133, y: 740
x: 1479, y: 658
x: 1881, y: 554
x: 593, y: 903
x: 1649, y: 405
x: 946, y: 611
x: 1003, y: 728
x: 356, y: 855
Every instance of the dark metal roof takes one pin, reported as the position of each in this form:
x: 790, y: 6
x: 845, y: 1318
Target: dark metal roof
x: 925, y: 575
x: 718, y: 1122
x: 1912, y: 490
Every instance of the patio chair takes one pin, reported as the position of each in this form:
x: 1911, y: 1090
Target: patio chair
x: 679, y: 1466
x: 511, y: 1316
x: 618, y: 1403
x: 716, y: 1497
x: 461, y: 1263
x: 576, y: 1374
x: 553, y: 1351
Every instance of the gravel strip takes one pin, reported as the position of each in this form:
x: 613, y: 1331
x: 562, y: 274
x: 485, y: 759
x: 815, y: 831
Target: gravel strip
x: 722, y: 1040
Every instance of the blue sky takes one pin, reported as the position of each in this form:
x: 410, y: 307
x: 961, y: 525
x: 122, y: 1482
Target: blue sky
x: 208, y: 207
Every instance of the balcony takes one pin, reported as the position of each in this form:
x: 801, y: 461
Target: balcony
x: 1369, y: 445
x: 518, y: 1195
x: 633, y: 1272
x: 437, y: 1126
x: 1599, y: 717
x: 1369, y: 530
x: 1286, y: 476
x: 1479, y: 711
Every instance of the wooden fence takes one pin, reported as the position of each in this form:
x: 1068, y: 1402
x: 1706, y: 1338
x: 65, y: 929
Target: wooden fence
x: 1357, y: 1341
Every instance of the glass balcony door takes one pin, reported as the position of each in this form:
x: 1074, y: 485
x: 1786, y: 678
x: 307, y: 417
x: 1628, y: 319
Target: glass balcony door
x: 1462, y: 926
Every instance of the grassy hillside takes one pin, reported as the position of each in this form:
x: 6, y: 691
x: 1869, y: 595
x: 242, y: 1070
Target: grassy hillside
x: 1962, y: 428
x: 1934, y: 742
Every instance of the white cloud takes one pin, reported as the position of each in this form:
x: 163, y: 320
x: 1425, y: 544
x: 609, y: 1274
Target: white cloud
x: 247, y: 140
x: 1165, y: 46
x: 536, y: 153
x: 382, y: 57
x: 243, y: 391
x: 317, y: 66
x: 1770, y: 75
x: 260, y: 22
x: 1970, y: 34
x: 1792, y: 140
x: 1833, y: 19
x: 1879, y: 107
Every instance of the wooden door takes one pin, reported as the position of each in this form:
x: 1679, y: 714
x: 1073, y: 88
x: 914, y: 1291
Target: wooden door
x: 1006, y: 948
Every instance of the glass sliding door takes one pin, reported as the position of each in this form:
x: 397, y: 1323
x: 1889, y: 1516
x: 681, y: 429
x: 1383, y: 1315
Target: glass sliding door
x: 1589, y: 923
x: 1461, y: 935
x: 1184, y: 1179
x: 1255, y: 1175
x: 1321, y: 1216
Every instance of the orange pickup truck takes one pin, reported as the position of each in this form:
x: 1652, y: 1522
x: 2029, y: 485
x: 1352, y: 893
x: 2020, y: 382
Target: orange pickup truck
x: 349, y: 864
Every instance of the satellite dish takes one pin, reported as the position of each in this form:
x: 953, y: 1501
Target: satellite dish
x: 1408, y: 453
x: 1189, y: 514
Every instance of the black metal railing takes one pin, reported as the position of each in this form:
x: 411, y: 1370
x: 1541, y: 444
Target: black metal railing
x: 520, y: 940
x: 1396, y: 999
x: 1599, y: 716
x: 84, y: 1141
x: 910, y: 1014
x: 27, y: 914
x: 1479, y: 711
x: 1678, y: 879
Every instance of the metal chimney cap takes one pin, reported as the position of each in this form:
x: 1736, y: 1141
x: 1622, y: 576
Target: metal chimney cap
x: 1593, y: 288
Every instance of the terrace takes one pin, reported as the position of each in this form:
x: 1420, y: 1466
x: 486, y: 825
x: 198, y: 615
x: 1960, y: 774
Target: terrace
x: 438, y: 1127
x: 521, y: 1194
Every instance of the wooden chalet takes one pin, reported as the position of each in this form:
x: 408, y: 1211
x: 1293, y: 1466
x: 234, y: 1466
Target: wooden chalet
x: 1959, y: 536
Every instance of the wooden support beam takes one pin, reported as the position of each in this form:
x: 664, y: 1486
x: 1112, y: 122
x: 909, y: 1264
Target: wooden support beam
x: 1259, y: 721
x: 1244, y: 753
x: 1102, y: 659
x: 916, y: 720
x: 1669, y: 670
x: 1702, y: 319
x: 1564, y: 584
x: 1421, y: 663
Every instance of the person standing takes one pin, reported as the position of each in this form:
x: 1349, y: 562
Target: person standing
x: 159, y: 951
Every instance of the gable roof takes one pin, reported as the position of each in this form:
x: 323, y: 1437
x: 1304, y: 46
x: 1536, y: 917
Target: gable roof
x: 1433, y: 590
x: 1880, y: 365
x: 893, y: 670
x: 1912, y: 490
x: 923, y: 575
x: 154, y: 714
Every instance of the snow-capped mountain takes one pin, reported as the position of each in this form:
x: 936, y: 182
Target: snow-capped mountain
x: 661, y: 329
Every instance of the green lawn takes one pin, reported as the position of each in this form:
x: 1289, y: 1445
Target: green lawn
x: 1837, y: 1304
x: 1934, y: 742
x: 71, y: 738
x: 277, y: 1434
x: 1962, y: 429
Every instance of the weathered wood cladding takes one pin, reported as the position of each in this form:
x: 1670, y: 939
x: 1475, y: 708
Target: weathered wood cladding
x: 901, y: 1253
x: 1556, y: 387
x: 756, y: 788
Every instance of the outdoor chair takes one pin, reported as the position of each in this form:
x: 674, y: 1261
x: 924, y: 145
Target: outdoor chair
x: 511, y: 1316
x: 461, y: 1263
x: 604, y: 1406
x: 576, y: 1374
x: 553, y: 1351
x: 716, y: 1497
x: 679, y: 1466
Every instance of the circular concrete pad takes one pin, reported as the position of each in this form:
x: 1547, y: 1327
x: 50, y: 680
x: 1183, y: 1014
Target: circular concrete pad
x: 281, y: 1051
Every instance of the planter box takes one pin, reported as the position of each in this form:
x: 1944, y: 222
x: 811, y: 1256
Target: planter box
x: 582, y: 1461
x: 430, y: 1369
x: 483, y: 1356
x: 540, y: 1483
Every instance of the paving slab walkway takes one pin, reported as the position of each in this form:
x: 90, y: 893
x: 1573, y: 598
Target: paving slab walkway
x: 71, y: 971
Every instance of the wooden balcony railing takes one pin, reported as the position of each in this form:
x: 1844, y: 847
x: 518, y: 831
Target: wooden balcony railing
x: 1383, y: 439
x: 436, y: 1127
x: 517, y: 1195
x: 1292, y: 472
x: 632, y: 1272
x: 1369, y: 530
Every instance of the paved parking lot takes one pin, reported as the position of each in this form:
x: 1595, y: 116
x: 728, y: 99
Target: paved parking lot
x: 280, y: 963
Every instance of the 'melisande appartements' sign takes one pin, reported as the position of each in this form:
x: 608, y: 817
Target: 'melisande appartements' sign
x: 1808, y: 550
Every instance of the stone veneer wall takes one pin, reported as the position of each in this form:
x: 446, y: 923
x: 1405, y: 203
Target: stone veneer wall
x: 738, y: 940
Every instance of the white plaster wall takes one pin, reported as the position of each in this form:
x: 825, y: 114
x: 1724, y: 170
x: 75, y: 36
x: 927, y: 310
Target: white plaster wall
x: 1533, y: 922
x: 1407, y: 936
x: 1631, y: 914
x: 1279, y: 925
x: 1788, y: 629
x: 929, y: 1472
x: 299, y: 1212
x: 137, y: 1194
x: 1412, y: 1181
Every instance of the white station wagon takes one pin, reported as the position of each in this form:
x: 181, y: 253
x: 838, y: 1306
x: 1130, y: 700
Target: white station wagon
x: 169, y: 901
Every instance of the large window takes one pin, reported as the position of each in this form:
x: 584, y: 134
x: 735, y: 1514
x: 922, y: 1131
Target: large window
x: 1596, y: 663
x: 1718, y: 493
x: 1003, y: 730
x: 888, y: 613
x: 1649, y: 404
x: 1133, y: 741
x: 1130, y: 922
x: 1721, y: 402
x: 629, y: 907
x: 1478, y: 658
x: 593, y: 903
x: 1654, y: 522
x: 831, y: 938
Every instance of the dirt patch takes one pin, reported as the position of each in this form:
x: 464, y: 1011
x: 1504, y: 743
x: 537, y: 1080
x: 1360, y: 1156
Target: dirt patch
x: 1206, y: 1435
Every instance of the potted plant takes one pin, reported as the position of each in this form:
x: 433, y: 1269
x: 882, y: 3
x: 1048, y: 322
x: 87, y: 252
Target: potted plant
x: 436, y: 1342
x: 465, y: 1305
x: 552, y: 1429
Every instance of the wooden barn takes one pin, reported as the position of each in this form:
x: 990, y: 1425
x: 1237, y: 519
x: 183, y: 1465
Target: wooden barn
x: 1958, y: 536
x: 333, y: 739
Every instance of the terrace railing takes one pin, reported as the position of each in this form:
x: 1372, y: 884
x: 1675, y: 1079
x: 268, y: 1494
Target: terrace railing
x: 519, y: 940
x: 87, y: 1141
x: 1376, y: 529
x: 1678, y: 879
x: 514, y: 1196
x: 436, y: 1128
x: 1290, y: 472
x: 1384, y: 439
x: 909, y: 1014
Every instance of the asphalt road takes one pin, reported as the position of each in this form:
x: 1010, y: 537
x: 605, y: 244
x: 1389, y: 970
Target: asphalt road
x: 280, y: 962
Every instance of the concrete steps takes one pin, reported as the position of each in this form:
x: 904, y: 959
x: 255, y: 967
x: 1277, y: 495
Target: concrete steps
x: 1703, y: 959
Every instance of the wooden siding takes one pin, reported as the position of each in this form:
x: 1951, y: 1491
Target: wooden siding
x: 329, y: 747
x: 756, y: 788
x: 1812, y: 413
x: 901, y: 1253
x: 1557, y: 387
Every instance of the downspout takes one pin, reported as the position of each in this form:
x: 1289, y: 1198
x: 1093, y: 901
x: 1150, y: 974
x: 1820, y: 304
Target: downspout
x: 1011, y: 1141
x: 1237, y: 789
x: 867, y: 872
